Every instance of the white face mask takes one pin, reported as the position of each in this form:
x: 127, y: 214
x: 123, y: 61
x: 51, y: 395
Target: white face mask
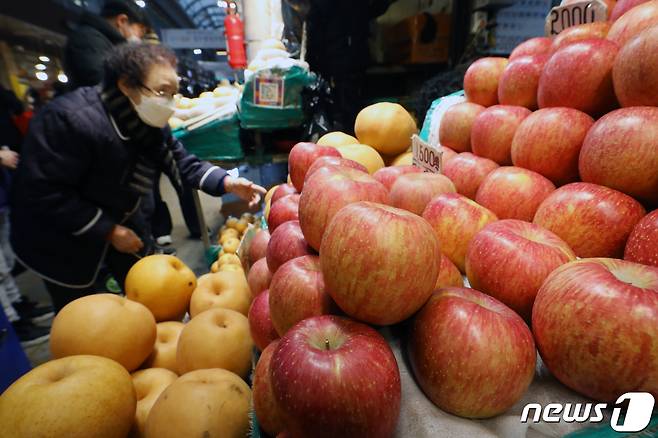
x: 134, y: 39
x: 155, y: 110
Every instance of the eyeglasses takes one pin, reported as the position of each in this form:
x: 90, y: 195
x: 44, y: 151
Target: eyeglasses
x: 158, y: 93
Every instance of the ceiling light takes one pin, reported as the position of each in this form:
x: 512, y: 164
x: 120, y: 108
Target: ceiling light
x: 43, y: 58
x: 42, y: 76
x: 62, y: 78
x: 197, y: 51
x: 140, y: 3
x: 40, y: 67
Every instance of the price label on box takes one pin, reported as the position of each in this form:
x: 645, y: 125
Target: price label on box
x: 425, y: 156
x: 563, y: 17
x: 269, y: 91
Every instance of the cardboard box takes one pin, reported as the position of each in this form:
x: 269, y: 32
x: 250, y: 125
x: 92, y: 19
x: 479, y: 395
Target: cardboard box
x: 421, y: 39
x: 430, y: 42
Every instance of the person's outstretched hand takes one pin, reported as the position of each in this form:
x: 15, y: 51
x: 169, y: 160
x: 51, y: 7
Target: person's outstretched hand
x: 244, y: 189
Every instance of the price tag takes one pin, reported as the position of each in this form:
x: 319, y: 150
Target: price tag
x: 425, y: 156
x: 268, y: 91
x: 563, y: 17
x: 245, y: 243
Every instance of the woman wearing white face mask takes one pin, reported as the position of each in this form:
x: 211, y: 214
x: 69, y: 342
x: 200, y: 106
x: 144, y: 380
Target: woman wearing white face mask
x: 89, y: 161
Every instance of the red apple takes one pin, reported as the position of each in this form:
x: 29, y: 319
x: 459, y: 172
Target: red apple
x: 260, y: 322
x: 379, y: 263
x: 302, y: 156
x: 493, y: 131
x: 548, y: 142
x: 456, y: 124
x: 333, y: 161
x: 520, y: 80
x: 297, y: 292
x: 259, y: 277
x: 637, y: 61
x: 467, y: 171
x: 447, y: 154
x: 596, y: 326
x: 530, y: 253
x: 598, y: 29
x: 481, y: 81
x: 642, y: 245
x: 532, y: 47
x: 471, y: 355
x: 579, y: 76
x: 455, y: 220
x: 514, y: 193
x: 328, y: 190
x: 267, y: 411
x: 621, y: 152
x: 286, y: 209
x: 286, y: 243
x: 414, y: 191
x: 623, y: 6
x: 258, y: 246
x: 449, y: 275
x: 633, y: 22
x: 333, y: 377
x: 595, y: 221
x: 388, y: 175
x: 282, y: 191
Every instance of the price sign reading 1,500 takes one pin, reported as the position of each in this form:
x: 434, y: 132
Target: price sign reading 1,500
x: 428, y: 157
x: 425, y: 156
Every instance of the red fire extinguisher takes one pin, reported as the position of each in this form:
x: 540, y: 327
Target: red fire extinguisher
x: 234, y: 28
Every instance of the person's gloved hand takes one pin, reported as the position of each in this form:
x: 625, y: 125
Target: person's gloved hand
x: 125, y: 240
x: 244, y: 189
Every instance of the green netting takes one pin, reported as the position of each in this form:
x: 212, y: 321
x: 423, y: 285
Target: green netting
x: 218, y: 140
x: 288, y: 112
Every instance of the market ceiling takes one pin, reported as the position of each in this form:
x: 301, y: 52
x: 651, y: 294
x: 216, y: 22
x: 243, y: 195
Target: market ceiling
x: 205, y: 13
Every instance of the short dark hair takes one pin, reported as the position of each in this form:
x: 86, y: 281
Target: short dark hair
x: 135, y: 14
x: 132, y: 61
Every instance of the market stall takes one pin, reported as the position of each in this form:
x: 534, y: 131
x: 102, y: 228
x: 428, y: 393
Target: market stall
x: 489, y: 271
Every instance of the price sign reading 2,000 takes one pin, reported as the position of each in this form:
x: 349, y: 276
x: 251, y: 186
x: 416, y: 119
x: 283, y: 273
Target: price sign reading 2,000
x: 562, y: 17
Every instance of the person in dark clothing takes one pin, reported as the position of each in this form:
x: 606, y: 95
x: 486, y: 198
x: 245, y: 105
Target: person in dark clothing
x: 338, y: 50
x: 19, y: 310
x: 89, y: 161
x: 91, y: 42
x: 10, y: 107
x: 121, y: 21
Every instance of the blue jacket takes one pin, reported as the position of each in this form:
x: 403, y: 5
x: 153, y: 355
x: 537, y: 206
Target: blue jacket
x: 70, y: 188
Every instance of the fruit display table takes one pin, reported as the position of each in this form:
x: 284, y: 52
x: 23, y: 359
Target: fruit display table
x: 420, y: 418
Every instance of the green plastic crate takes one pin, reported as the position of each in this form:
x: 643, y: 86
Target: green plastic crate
x: 218, y: 140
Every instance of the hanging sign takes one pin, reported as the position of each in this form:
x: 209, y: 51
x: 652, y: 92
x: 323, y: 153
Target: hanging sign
x: 268, y: 90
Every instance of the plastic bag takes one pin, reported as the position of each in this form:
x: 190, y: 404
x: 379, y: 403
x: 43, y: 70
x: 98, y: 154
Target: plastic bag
x: 317, y: 101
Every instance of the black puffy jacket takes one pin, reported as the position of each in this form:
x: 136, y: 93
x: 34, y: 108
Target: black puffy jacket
x: 86, y: 50
x: 71, y: 187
